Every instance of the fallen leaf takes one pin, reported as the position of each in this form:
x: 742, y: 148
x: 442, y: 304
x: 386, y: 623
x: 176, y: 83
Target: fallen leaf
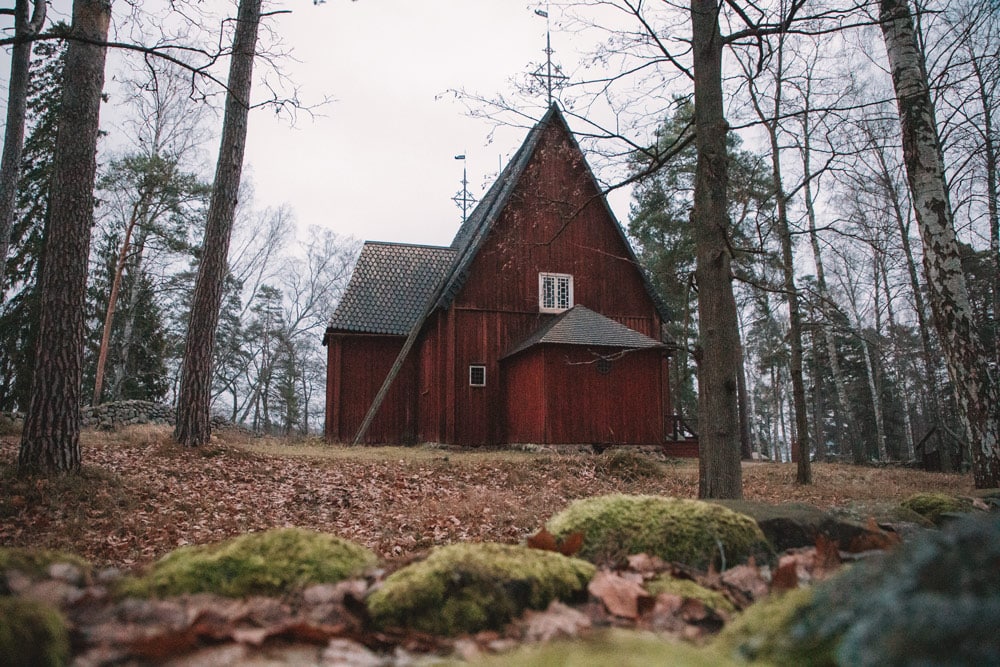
x: 558, y: 621
x: 786, y: 576
x: 543, y: 540
x: 620, y: 596
x: 571, y: 544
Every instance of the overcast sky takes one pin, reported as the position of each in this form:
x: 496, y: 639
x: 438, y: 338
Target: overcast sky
x: 378, y: 161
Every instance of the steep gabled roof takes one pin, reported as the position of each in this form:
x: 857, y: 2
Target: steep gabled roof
x: 474, y: 231
x: 390, y: 287
x: 581, y: 326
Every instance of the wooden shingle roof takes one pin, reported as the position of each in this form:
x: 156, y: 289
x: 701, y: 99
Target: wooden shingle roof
x: 390, y: 288
x: 581, y: 326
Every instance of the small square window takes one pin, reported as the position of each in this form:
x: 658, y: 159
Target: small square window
x: 555, y: 292
x: 477, y: 376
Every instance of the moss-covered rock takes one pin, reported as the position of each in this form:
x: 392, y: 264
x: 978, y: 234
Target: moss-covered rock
x: 763, y: 633
x: 31, y: 634
x: 254, y: 564
x: 619, y: 648
x: 689, y: 589
x: 934, y: 601
x: 934, y: 506
x: 472, y: 587
x: 677, y: 530
x: 36, y: 562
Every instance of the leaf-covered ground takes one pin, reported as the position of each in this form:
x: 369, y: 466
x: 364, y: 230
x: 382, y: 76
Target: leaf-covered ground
x: 140, y: 496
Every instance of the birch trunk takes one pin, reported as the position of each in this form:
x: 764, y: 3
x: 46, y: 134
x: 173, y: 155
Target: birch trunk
x: 720, y: 474
x: 976, y: 393
x: 193, y: 425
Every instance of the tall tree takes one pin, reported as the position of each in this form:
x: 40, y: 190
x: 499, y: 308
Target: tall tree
x: 28, y: 22
x: 50, y: 439
x: 193, y: 424
x: 18, y: 310
x: 719, y: 473
x: 976, y: 391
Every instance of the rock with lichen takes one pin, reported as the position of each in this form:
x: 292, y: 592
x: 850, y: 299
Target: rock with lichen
x: 471, y: 587
x: 32, y: 634
x: 677, y: 530
x: 935, y: 507
x: 934, y: 601
x: 268, y: 563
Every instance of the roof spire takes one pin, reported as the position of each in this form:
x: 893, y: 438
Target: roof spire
x: 550, y: 74
x: 463, y: 199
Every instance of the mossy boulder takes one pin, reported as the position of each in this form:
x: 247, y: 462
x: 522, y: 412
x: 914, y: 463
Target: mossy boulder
x: 32, y: 634
x: 714, y: 600
x: 763, y: 633
x: 678, y: 530
x: 36, y: 562
x: 617, y: 647
x: 471, y: 587
x: 933, y: 601
x: 266, y: 563
x: 935, y: 506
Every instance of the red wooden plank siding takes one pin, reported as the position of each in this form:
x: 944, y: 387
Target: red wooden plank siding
x: 365, y: 362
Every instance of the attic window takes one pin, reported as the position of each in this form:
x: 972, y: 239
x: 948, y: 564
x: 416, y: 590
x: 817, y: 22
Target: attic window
x: 555, y: 292
x: 477, y: 376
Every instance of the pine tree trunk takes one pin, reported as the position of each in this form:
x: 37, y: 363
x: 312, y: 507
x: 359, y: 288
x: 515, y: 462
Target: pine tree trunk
x: 976, y: 391
x: 720, y: 475
x: 50, y: 439
x: 193, y: 425
x: 17, y: 104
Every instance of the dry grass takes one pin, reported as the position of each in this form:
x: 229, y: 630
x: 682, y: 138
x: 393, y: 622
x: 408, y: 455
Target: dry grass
x: 140, y: 495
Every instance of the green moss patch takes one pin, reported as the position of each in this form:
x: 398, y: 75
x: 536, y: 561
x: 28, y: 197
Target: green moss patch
x: 763, y: 633
x: 619, y: 648
x: 472, y: 587
x: 255, y: 564
x: 933, y: 506
x: 31, y: 634
x: 677, y: 530
x: 689, y: 589
x: 36, y: 562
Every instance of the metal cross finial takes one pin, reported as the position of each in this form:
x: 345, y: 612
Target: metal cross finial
x: 463, y: 199
x: 548, y: 72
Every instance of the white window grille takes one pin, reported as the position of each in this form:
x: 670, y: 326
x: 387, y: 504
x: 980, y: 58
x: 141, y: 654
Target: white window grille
x: 555, y: 292
x: 477, y: 376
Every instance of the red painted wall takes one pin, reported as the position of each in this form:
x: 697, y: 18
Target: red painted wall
x: 364, y: 363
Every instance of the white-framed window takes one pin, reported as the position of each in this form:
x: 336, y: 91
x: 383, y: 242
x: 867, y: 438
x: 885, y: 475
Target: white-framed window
x: 555, y: 292
x: 477, y: 375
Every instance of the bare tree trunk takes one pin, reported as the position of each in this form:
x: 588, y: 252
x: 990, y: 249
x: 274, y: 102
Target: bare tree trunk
x: 976, y: 391
x: 720, y: 474
x: 193, y: 425
x: 109, y: 315
x: 894, y: 368
x: 50, y: 440
x: 846, y: 425
x: 17, y: 103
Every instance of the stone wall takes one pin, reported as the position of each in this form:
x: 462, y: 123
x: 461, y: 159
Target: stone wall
x: 110, y: 416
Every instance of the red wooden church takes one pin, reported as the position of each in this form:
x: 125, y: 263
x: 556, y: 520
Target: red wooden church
x: 536, y: 325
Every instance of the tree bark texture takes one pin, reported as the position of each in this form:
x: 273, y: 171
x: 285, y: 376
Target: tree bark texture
x: 976, y: 392
x: 193, y: 425
x: 50, y: 439
x: 720, y: 474
x: 17, y: 103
